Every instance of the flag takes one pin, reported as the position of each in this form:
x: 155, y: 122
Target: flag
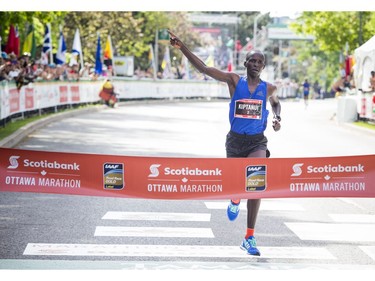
x: 61, y: 51
x: 98, y: 61
x: 47, y: 45
x: 29, y: 45
x: 76, y: 49
x: 17, y: 42
x: 108, y: 53
x: 210, y: 61
x: 166, y: 64
x: 13, y: 42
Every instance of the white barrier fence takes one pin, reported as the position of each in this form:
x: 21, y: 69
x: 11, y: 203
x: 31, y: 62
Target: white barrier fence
x: 37, y: 96
x: 41, y: 95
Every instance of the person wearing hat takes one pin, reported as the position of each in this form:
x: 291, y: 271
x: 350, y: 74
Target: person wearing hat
x: 85, y: 72
x: 248, y: 120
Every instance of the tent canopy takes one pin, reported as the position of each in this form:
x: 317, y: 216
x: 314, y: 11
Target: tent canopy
x: 364, y: 63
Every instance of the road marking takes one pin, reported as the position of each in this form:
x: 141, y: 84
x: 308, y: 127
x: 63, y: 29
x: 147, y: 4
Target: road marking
x: 333, y: 231
x: 156, y: 216
x: 369, y: 250
x: 154, y: 231
x: 355, y: 218
x: 18, y: 264
x: 10, y: 206
x: 41, y: 249
x: 265, y: 205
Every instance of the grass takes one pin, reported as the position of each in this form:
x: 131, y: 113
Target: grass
x: 13, y: 126
x: 367, y: 125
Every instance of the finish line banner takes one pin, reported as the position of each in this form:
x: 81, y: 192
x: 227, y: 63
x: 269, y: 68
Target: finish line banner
x: 185, y: 178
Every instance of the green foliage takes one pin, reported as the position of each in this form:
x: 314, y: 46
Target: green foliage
x: 333, y: 30
x: 131, y: 32
x: 336, y: 34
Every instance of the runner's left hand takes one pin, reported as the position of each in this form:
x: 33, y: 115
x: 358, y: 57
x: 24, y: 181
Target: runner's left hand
x: 276, y: 124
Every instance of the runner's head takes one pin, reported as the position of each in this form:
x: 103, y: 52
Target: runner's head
x: 255, y: 62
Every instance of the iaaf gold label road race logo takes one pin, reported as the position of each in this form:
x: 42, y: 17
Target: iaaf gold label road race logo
x: 256, y: 178
x: 113, y: 176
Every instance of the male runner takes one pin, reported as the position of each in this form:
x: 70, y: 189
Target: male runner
x: 245, y: 138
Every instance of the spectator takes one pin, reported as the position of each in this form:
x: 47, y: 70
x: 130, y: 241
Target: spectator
x: 372, y: 81
x: 85, y: 72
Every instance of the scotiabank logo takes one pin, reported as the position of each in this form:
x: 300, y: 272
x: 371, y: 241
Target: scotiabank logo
x: 154, y: 170
x: 13, y: 162
x: 185, y: 171
x: 297, y: 169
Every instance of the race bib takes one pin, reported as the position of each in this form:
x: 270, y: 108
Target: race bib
x: 248, y: 108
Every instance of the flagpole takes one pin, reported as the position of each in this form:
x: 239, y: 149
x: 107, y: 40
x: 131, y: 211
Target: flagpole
x: 156, y: 52
x: 50, y: 39
x: 81, y: 54
x: 153, y: 62
x: 113, y: 56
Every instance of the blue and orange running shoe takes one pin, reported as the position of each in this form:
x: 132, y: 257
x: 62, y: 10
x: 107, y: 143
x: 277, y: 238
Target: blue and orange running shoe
x: 250, y: 246
x: 233, y: 210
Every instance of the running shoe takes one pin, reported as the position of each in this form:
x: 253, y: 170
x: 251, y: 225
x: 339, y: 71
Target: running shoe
x: 233, y: 210
x: 250, y: 246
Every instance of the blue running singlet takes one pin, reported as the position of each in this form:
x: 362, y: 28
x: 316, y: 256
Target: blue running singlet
x: 247, y: 111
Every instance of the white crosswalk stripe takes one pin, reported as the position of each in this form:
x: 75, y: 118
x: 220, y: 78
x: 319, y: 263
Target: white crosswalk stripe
x: 153, y: 231
x: 156, y: 216
x: 333, y: 231
x: 354, y: 218
x: 369, y: 250
x: 174, y: 251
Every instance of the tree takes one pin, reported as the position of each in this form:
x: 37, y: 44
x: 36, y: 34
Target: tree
x: 336, y: 34
x: 23, y: 19
x: 133, y: 33
x: 334, y: 30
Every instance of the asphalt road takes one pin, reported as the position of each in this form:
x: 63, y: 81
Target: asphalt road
x: 77, y: 232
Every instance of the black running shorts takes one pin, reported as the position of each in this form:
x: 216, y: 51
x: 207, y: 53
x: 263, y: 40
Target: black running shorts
x: 240, y: 146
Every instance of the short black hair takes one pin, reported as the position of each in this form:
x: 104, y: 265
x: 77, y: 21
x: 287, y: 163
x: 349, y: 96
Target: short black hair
x: 252, y: 52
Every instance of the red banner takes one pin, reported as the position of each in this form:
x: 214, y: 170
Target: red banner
x: 14, y: 100
x: 63, y: 90
x: 186, y: 178
x: 29, y: 98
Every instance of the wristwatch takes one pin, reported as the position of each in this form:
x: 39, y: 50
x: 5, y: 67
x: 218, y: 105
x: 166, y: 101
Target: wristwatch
x: 278, y: 118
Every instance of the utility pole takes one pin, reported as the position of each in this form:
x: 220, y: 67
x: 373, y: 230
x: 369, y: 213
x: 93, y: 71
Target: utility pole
x: 360, y: 28
x: 257, y: 17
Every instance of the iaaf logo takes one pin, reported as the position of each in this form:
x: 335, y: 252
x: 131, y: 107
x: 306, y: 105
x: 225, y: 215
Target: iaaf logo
x: 13, y: 160
x: 297, y: 169
x: 186, y: 171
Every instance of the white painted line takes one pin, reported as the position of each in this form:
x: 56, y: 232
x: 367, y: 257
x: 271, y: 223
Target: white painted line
x: 265, y: 205
x: 153, y: 231
x: 156, y: 216
x: 354, y: 218
x: 173, y: 251
x: 369, y: 250
x: 333, y: 231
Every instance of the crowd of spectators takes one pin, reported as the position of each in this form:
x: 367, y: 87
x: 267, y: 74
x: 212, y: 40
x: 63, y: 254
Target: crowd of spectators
x: 23, y: 70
